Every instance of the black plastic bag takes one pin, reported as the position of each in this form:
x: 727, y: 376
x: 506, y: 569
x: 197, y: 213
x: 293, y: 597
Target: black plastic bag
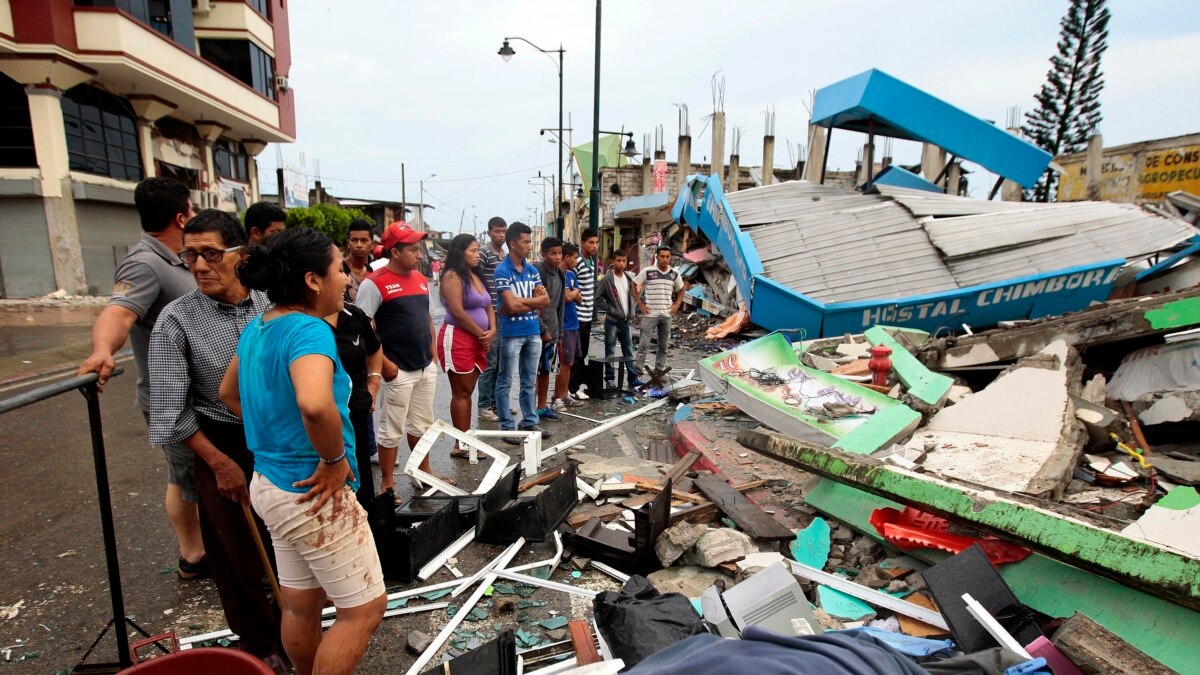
x: 639, y: 620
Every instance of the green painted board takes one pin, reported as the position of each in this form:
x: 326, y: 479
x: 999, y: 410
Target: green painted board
x: 927, y: 386
x: 1158, y: 627
x: 792, y: 402
x: 1178, y: 314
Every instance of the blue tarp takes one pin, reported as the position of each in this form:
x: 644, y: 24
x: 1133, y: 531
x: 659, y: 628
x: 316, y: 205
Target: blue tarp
x: 876, y: 101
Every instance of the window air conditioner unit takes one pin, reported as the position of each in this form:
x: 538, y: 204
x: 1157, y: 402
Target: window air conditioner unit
x: 281, y: 82
x: 202, y: 7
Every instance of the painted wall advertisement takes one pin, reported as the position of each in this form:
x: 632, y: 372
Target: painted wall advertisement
x: 295, y: 187
x: 1140, y: 173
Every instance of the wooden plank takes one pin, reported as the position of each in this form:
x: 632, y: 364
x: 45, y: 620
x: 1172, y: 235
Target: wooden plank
x: 541, y: 477
x: 681, y: 467
x: 753, y: 520
x: 1097, y: 649
x: 704, y: 513
x: 855, y: 367
x: 604, y: 514
x: 583, y: 642
x: 660, y: 451
x: 677, y: 494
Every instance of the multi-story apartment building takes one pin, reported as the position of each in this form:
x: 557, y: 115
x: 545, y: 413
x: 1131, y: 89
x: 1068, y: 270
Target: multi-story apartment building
x: 97, y: 94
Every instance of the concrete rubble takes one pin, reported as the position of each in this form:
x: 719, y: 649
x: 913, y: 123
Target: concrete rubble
x: 1026, y: 450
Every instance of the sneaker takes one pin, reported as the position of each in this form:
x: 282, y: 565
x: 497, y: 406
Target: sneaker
x: 489, y: 415
x: 636, y: 383
x: 189, y: 570
x: 375, y: 458
x: 559, y: 403
x: 611, y: 384
x: 546, y: 435
x: 581, y: 395
x: 571, y: 402
x: 548, y: 413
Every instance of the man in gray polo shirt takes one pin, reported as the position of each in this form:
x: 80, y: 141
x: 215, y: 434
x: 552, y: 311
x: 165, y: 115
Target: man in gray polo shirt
x: 149, y: 277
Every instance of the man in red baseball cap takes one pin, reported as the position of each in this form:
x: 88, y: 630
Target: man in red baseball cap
x: 396, y: 296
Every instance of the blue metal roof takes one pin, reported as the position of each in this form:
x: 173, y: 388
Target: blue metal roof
x: 874, y: 100
x: 898, y: 176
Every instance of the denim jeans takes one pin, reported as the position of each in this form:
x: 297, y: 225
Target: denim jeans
x: 612, y: 333
x: 657, y: 325
x: 521, y: 353
x: 487, y: 381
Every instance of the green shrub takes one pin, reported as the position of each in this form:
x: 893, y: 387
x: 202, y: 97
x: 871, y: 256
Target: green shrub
x: 333, y: 221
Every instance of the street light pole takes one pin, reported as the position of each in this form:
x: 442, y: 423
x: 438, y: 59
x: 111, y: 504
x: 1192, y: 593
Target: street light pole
x: 594, y: 201
x: 506, y: 52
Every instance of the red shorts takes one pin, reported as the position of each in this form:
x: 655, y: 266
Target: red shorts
x: 460, y: 352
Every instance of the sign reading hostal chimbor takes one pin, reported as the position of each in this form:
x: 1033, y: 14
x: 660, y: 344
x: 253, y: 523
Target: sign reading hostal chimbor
x: 1139, y: 172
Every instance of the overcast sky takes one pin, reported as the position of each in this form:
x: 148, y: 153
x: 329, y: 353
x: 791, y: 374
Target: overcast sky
x: 379, y: 82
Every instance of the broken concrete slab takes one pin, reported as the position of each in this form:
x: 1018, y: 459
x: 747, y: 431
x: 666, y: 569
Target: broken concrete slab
x: 1173, y: 522
x: 755, y: 562
x: 1108, y: 322
x: 676, y: 540
x: 719, y: 545
x: 1018, y: 434
x: 418, y: 641
x: 593, y: 466
x: 926, y: 386
x: 689, y: 580
x: 1180, y: 470
x: 1054, y: 530
x: 1175, y: 407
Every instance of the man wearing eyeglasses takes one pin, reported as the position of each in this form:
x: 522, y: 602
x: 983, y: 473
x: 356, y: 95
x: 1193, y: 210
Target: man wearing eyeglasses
x: 150, y: 276
x: 192, y: 344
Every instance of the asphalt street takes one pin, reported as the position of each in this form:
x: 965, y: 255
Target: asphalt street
x: 54, y: 596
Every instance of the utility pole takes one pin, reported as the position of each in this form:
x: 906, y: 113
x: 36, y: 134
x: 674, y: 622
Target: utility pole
x: 403, y: 195
x: 594, y: 202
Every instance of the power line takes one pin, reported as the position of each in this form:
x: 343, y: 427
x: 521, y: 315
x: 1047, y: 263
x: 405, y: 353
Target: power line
x: 443, y: 180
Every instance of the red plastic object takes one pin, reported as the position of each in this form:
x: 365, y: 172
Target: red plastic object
x: 880, y: 365
x: 913, y: 529
x: 201, y: 661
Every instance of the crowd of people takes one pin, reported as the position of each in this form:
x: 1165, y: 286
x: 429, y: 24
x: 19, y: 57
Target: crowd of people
x: 273, y: 363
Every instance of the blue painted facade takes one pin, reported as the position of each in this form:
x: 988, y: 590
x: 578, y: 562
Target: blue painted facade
x: 702, y: 206
x: 876, y: 101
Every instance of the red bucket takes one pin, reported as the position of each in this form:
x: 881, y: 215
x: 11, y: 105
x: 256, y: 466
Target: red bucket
x: 201, y: 661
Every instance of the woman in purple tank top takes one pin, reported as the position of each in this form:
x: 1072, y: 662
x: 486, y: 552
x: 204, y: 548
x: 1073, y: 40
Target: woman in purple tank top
x: 468, y: 331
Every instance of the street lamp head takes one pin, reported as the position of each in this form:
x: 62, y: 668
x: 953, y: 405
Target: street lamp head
x: 506, y: 51
x: 630, y: 149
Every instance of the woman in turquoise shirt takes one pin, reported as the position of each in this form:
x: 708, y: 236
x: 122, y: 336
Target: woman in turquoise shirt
x: 292, y: 394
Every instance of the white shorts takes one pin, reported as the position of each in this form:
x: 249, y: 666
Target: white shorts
x: 333, y: 551
x: 406, y: 406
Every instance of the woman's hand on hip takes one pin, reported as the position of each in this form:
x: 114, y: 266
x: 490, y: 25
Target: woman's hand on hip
x: 326, y: 483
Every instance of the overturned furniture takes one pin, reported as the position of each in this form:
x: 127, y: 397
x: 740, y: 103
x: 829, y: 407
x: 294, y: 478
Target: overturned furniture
x: 634, y: 550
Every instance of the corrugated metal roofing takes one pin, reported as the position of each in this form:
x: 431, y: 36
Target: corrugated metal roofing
x: 838, y: 246
x: 922, y: 203
x: 842, y: 246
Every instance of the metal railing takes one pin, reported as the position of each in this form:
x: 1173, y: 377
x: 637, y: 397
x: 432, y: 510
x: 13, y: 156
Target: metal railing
x: 87, y: 385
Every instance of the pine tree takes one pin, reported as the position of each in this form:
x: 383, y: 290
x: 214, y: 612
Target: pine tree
x: 1068, y: 106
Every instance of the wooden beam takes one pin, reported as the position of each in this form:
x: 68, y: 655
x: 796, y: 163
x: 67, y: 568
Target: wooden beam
x: 1058, y: 533
x: 753, y: 520
x: 583, y: 642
